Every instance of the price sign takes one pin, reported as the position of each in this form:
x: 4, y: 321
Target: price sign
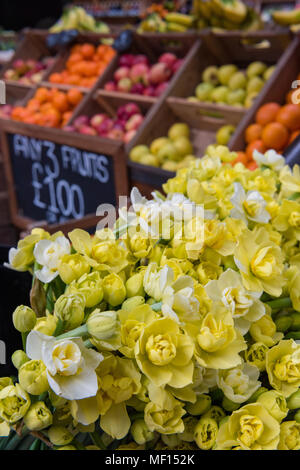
x: 56, y: 182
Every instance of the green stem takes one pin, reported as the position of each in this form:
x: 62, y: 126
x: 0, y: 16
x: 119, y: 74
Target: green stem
x: 59, y: 328
x: 16, y: 439
x: 97, y: 440
x: 284, y: 302
x: 293, y: 335
x: 88, y: 344
x: 77, y: 332
x: 35, y: 445
x: 24, y: 338
x: 78, y: 445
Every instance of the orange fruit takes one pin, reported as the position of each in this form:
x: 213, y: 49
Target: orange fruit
x: 55, y: 78
x: 74, y: 96
x: 87, y: 50
x: 255, y: 145
x: 267, y: 113
x: 42, y: 95
x: 294, y: 135
x: 241, y: 158
x: 275, y: 135
x: 289, y: 116
x: 253, y: 132
x: 252, y: 165
x: 60, y: 102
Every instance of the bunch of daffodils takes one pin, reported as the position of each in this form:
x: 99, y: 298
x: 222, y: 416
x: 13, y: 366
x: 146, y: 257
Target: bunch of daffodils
x: 179, y: 329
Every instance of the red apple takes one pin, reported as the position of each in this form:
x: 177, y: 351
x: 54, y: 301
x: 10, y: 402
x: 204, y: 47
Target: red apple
x: 139, y: 73
x: 168, y: 58
x: 20, y: 66
x: 134, y: 122
x: 177, y: 65
x: 140, y: 59
x: 124, y: 85
x: 110, y: 86
x: 137, y: 88
x: 149, y: 91
x: 81, y: 121
x: 131, y: 109
x: 161, y: 88
x: 87, y: 130
x: 126, y: 60
x: 159, y: 73
x: 105, y: 127
x: 122, y: 72
x: 128, y: 136
x: 11, y: 74
x: 116, y: 134
x: 97, y: 119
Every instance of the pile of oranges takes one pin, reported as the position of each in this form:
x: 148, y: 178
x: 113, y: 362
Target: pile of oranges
x: 275, y: 127
x: 85, y: 64
x: 48, y: 107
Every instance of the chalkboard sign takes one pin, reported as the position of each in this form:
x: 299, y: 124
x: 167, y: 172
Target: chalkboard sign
x: 57, y: 183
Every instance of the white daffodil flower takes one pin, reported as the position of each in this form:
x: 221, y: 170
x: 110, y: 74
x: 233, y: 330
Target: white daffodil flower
x: 203, y: 379
x: 249, y: 206
x: 70, y: 365
x: 156, y: 280
x: 271, y: 159
x: 244, y: 305
x: 179, y: 302
x: 48, y: 254
x: 239, y: 383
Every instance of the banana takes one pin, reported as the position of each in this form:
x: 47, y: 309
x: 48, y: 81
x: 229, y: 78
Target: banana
x: 176, y: 28
x: 233, y: 10
x: 180, y: 18
x: 205, y: 10
x: 286, y: 18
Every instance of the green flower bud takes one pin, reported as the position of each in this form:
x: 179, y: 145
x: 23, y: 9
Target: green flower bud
x: 134, y: 285
x: 275, y: 404
x: 206, y: 433
x: 140, y: 432
x: 295, y: 326
x: 189, y: 429
x: 102, y: 325
x: 256, y: 395
x: 201, y: 406
x: 19, y: 358
x: 229, y: 405
x: 90, y: 286
x: 297, y: 417
x: 114, y: 289
x: 132, y: 303
x: 5, y: 381
x: 33, y: 377
x: 256, y: 355
x: 24, y: 319
x: 56, y: 401
x: 60, y: 436
x: 293, y: 402
x: 38, y: 417
x: 70, y: 310
x: 215, y: 412
x: 283, y: 323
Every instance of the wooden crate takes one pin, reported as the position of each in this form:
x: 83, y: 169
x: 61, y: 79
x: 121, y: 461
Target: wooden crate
x: 278, y: 86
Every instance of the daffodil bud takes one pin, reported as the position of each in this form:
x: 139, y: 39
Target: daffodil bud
x: 293, y: 402
x: 289, y: 436
x: 275, y: 404
x: 72, y: 267
x: 215, y: 412
x: 90, y: 286
x: 256, y: 355
x: 24, y: 319
x: 254, y: 397
x: 5, y: 381
x: 38, y: 417
x: 295, y: 326
x: 70, y: 310
x: 297, y: 417
x: 55, y: 400
x: 114, y: 289
x: 102, y: 325
x: 133, y: 302
x: 229, y: 405
x: 60, y: 436
x: 189, y: 429
x: 46, y: 325
x: 14, y: 403
x: 201, y: 406
x: 140, y: 432
x: 206, y: 433
x: 19, y: 358
x: 134, y: 285
x: 283, y: 323
x: 33, y: 377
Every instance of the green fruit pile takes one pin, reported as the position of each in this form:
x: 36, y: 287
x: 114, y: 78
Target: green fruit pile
x: 170, y: 153
x: 231, y: 86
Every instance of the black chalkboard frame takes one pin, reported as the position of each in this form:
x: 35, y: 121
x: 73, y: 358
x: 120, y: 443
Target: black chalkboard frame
x: 108, y: 147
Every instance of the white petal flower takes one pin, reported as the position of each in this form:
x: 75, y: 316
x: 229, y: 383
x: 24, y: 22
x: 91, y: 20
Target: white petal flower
x: 157, y: 279
x: 70, y: 365
x: 271, y: 159
x: 239, y: 383
x: 48, y: 254
x: 179, y: 302
x: 249, y: 206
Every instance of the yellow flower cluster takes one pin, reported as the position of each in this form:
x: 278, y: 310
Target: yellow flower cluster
x: 179, y: 328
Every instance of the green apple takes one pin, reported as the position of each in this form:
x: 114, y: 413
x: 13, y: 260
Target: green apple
x: 255, y: 84
x: 169, y: 152
x: 180, y: 129
x: 149, y: 159
x: 219, y: 94
x: 192, y: 99
x: 250, y: 99
x: 157, y: 144
x: 238, y: 80
x: 210, y: 75
x: 137, y: 152
x: 255, y: 69
x: 236, y: 97
x: 203, y: 91
x: 224, y: 134
x: 267, y: 74
x: 183, y: 146
x: 225, y: 73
